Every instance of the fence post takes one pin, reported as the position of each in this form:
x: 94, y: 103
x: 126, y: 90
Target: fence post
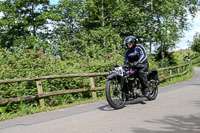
x: 188, y: 68
x: 170, y: 73
x: 182, y: 68
x: 94, y: 95
x: 40, y: 90
x: 178, y: 70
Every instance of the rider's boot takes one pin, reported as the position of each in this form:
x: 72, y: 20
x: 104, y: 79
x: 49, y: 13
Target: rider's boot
x: 146, y: 92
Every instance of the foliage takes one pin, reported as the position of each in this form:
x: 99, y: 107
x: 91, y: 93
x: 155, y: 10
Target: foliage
x: 4, y: 108
x: 88, y: 26
x: 196, y: 43
x: 196, y: 61
x: 33, y: 63
x: 24, y: 24
x: 169, y: 59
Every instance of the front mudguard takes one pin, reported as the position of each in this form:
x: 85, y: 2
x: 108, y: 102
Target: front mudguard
x: 114, y: 76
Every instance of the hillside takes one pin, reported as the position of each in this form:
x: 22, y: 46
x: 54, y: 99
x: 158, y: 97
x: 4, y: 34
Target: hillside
x: 195, y: 57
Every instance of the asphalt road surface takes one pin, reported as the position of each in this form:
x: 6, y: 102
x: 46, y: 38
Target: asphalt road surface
x: 176, y: 110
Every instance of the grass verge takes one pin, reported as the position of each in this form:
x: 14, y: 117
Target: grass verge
x: 177, y: 79
x: 196, y: 61
x: 27, y: 110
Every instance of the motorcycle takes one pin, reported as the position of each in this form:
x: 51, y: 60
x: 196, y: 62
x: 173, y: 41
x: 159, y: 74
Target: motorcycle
x: 123, y: 85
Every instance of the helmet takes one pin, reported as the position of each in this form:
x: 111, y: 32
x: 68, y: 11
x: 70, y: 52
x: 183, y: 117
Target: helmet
x: 130, y: 39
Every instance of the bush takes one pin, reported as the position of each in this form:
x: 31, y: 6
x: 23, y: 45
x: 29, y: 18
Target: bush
x: 31, y: 63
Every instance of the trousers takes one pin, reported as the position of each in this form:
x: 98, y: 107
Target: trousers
x: 142, y: 75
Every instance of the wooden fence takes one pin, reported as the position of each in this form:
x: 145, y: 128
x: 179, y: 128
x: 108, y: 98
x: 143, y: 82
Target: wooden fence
x: 164, y: 73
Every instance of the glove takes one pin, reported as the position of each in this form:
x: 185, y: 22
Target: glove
x: 134, y: 64
x: 125, y: 67
x: 140, y: 65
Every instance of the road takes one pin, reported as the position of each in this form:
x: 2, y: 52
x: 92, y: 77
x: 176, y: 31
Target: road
x: 176, y: 110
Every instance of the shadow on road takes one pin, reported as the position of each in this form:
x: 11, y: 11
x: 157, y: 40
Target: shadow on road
x: 137, y: 101
x: 106, y: 108
x: 195, y: 84
x: 197, y: 103
x: 109, y: 108
x: 175, y: 124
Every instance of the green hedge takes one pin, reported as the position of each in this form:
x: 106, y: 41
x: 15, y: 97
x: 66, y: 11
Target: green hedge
x: 32, y: 63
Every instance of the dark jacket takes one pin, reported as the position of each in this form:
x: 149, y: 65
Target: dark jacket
x: 138, y: 52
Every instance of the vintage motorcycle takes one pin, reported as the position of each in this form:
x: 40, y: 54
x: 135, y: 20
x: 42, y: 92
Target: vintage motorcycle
x: 123, y: 85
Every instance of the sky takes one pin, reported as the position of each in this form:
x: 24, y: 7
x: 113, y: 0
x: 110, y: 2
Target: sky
x: 54, y: 1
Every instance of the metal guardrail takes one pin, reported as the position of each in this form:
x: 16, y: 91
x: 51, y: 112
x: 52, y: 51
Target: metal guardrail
x: 164, y: 73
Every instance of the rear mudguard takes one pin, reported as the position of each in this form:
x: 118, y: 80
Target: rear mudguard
x: 153, y: 75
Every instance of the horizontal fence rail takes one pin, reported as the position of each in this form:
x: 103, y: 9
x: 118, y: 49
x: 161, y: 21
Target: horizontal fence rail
x: 164, y: 73
x: 179, y: 70
x: 54, y: 77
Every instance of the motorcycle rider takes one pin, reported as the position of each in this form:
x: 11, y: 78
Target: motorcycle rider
x: 136, y: 53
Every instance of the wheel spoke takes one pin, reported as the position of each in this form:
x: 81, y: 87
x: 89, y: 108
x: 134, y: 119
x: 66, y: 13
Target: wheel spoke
x: 116, y: 96
x: 153, y: 90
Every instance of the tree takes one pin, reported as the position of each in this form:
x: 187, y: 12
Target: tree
x: 98, y: 33
x: 93, y: 27
x: 23, y: 22
x: 171, y: 19
x: 196, y: 43
x: 66, y: 26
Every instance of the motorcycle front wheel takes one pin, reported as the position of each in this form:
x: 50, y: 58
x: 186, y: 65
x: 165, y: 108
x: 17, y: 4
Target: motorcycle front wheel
x: 115, y: 94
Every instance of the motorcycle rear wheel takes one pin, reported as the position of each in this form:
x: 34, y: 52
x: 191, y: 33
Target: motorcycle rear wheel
x: 153, y: 90
x: 115, y: 94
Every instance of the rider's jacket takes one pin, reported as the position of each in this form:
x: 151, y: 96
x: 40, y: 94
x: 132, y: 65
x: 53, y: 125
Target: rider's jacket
x: 138, y: 51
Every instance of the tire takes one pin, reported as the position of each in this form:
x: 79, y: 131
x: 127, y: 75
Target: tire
x: 114, y: 94
x: 153, y: 90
